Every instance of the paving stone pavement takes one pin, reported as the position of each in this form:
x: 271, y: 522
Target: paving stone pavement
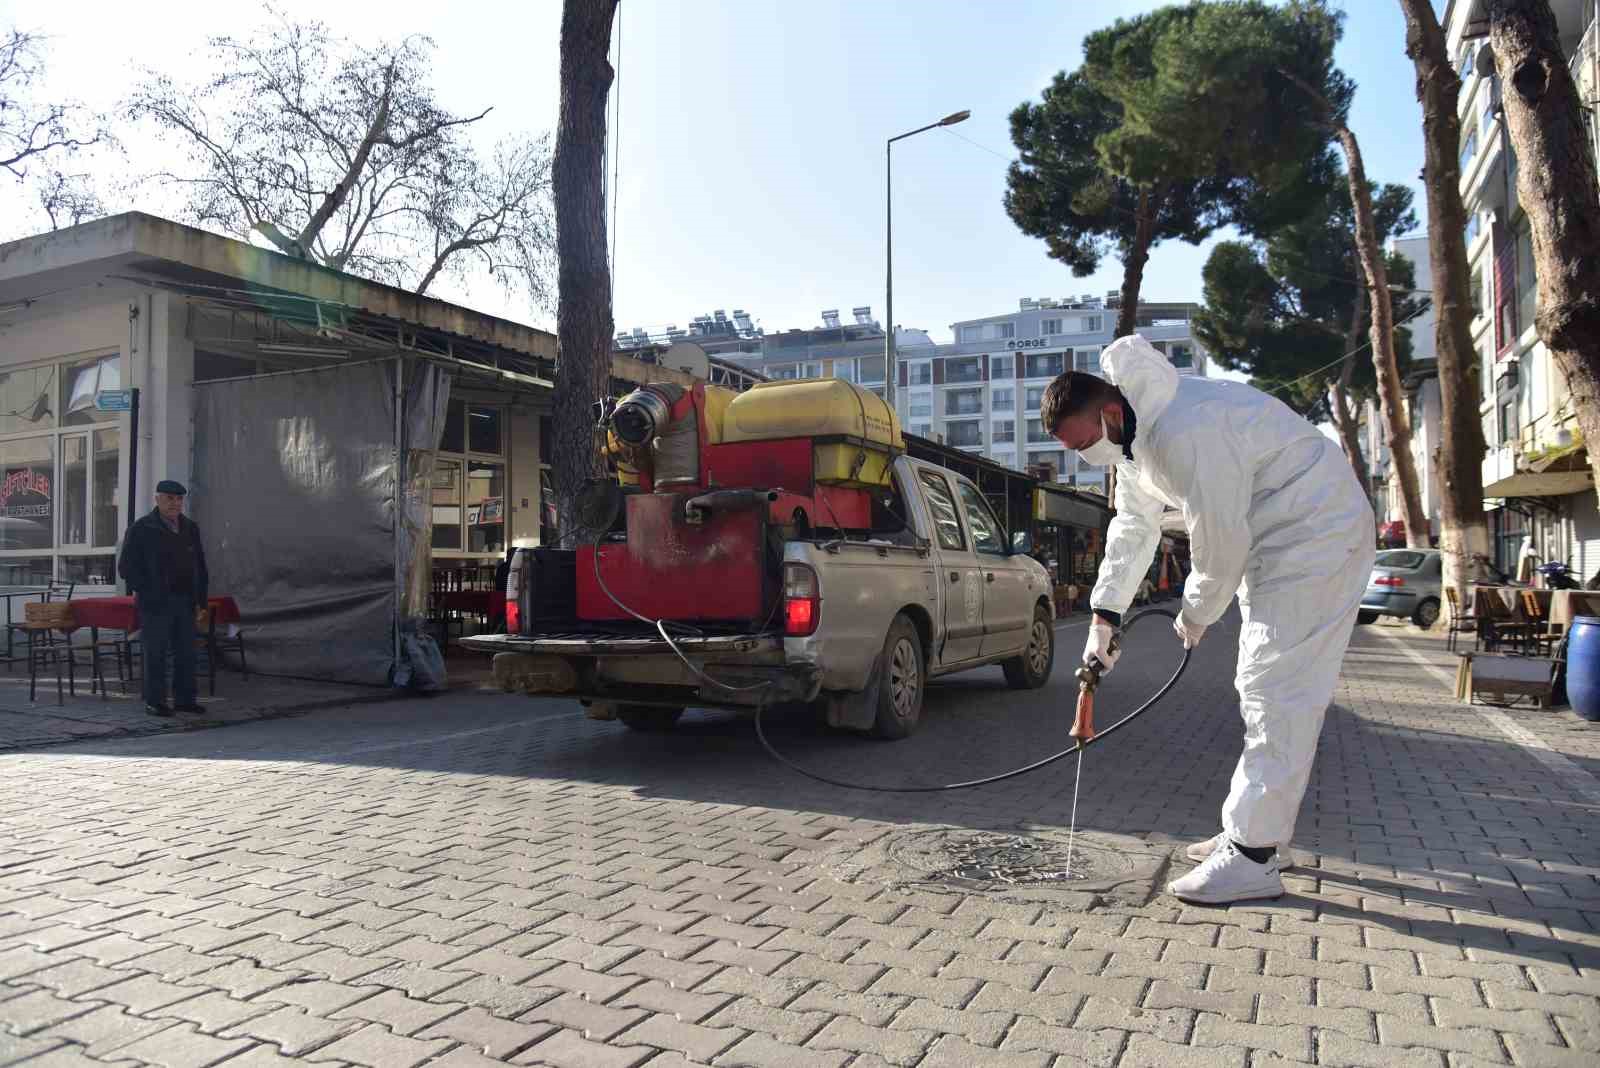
x: 477, y: 880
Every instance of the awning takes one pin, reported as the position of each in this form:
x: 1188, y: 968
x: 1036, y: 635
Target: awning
x: 1546, y: 484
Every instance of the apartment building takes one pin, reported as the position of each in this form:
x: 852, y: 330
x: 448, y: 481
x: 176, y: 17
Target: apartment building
x: 1535, y: 472
x: 982, y: 392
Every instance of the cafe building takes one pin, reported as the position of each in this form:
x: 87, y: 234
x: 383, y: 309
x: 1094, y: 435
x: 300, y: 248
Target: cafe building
x: 349, y: 447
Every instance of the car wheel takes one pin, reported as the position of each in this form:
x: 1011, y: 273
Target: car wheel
x: 904, y: 683
x: 1031, y: 670
x: 648, y: 717
x: 1366, y: 617
x: 1427, y: 613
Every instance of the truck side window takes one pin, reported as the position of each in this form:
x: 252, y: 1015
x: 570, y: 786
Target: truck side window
x: 943, y: 506
x: 986, y: 536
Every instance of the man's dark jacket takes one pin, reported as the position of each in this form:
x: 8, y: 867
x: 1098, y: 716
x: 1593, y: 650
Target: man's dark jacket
x: 162, y: 568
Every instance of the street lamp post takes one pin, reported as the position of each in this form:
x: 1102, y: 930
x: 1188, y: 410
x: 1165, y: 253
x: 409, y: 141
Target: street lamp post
x: 889, y: 379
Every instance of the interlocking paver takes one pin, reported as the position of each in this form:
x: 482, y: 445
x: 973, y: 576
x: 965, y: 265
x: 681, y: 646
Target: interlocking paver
x: 294, y: 1031
x: 377, y: 1047
x: 104, y: 1030
x: 760, y: 1051
x: 35, y: 1010
x: 182, y: 1046
x: 488, y: 1034
x: 566, y: 1049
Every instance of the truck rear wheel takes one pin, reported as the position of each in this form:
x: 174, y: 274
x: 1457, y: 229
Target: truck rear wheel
x: 904, y: 682
x: 648, y: 717
x: 1032, y: 669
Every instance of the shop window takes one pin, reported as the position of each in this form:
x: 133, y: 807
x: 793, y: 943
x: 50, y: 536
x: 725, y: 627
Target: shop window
x: 26, y: 399
x: 74, y: 493
x: 447, y: 504
x: 104, y: 490
x: 485, y: 429
x: 27, y: 493
x: 486, y: 507
x: 79, y: 384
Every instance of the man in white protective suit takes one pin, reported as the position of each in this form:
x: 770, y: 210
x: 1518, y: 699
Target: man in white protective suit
x: 1274, y: 513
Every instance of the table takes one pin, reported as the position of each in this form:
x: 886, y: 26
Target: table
x: 1566, y: 604
x: 122, y: 613
x: 1505, y: 602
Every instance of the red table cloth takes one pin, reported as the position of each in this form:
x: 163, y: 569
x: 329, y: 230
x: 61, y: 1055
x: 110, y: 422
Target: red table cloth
x: 120, y: 613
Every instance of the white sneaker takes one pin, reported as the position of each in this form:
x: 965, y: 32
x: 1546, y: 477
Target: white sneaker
x: 1228, y: 875
x: 1201, y: 850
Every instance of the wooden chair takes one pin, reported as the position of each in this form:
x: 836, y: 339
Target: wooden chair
x: 1542, y: 634
x: 55, y: 590
x: 1499, y: 627
x: 42, y: 622
x: 1460, y: 622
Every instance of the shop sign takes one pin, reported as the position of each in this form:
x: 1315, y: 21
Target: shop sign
x: 1052, y: 507
x: 1030, y: 343
x: 30, y: 482
x: 113, y: 400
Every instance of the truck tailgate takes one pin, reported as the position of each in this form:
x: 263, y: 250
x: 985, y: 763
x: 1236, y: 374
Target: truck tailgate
x: 584, y: 644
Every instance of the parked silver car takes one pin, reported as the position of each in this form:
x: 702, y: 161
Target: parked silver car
x: 1404, y: 583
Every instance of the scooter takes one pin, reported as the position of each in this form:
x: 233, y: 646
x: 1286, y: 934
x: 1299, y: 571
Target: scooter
x: 1558, y: 576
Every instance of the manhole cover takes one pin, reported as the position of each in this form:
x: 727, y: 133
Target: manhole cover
x: 1026, y: 864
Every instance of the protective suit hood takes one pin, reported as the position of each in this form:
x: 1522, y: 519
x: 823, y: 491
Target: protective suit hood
x: 1145, y: 377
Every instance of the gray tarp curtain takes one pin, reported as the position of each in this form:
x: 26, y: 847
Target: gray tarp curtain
x: 296, y: 490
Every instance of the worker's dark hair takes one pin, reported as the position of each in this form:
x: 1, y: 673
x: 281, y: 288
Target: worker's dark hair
x: 1071, y: 393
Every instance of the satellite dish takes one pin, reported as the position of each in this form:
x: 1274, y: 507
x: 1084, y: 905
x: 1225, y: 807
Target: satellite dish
x: 689, y: 358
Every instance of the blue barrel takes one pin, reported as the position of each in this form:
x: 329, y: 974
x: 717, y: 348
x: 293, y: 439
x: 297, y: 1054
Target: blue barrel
x: 1583, y: 666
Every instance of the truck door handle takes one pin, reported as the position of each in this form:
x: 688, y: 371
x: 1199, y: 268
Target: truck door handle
x: 989, y: 577
x: 955, y: 576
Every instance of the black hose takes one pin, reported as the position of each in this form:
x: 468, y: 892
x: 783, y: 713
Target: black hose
x: 1014, y: 772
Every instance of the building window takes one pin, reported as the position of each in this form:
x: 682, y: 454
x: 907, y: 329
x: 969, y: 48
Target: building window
x: 1469, y: 148
x: 1093, y: 324
x: 1002, y: 367
x: 1049, y: 327
x: 1086, y: 360
x: 1042, y: 365
x: 963, y: 402
x: 844, y: 370
x: 921, y: 430
x: 969, y: 334
x: 1031, y: 398
x: 1038, y: 435
x: 963, y: 369
x: 922, y: 406
x: 811, y: 369
x: 1056, y: 458
x: 1005, y: 331
x: 869, y: 369
x: 59, y: 474
x: 1471, y: 232
x: 782, y: 373
x: 1466, y: 62
x: 1476, y: 292
x: 1001, y: 400
x: 1527, y: 280
x: 1182, y: 356
x: 1005, y: 431
x: 1004, y: 459
x: 964, y: 435
x: 469, y: 481
x: 919, y: 374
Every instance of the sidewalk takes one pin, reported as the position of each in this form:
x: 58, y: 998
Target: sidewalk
x: 26, y: 724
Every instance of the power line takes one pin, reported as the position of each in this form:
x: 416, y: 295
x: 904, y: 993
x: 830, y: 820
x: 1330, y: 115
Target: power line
x: 1353, y: 352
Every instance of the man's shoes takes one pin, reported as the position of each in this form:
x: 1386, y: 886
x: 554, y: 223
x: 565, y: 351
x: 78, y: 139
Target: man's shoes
x: 158, y: 710
x: 1228, y: 875
x: 1201, y: 850
x: 190, y: 709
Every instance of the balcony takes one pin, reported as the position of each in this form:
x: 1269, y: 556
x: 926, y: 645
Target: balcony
x: 968, y: 435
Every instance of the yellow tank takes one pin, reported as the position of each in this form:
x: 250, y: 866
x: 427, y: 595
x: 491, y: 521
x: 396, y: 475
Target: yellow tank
x: 856, y: 432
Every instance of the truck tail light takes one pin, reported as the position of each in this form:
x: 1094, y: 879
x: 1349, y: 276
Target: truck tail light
x: 1388, y: 580
x: 802, y: 601
x: 514, y: 594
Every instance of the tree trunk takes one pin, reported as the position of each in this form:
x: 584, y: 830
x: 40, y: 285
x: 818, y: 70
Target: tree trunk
x: 1339, y: 400
x: 1463, y: 528
x: 1556, y: 185
x: 583, y: 315
x: 1396, y: 422
x: 1133, y: 265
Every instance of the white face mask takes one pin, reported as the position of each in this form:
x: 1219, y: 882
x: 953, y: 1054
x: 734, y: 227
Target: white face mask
x: 1103, y: 453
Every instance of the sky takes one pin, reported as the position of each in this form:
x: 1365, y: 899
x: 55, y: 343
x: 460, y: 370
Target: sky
x: 749, y: 135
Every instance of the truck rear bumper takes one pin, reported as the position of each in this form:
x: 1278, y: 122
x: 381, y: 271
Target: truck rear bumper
x: 645, y: 670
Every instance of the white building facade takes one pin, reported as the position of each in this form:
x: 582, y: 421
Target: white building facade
x: 1535, y: 475
x: 982, y: 392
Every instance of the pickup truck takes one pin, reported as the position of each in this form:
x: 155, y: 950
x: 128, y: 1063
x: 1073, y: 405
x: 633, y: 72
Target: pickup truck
x: 857, y: 627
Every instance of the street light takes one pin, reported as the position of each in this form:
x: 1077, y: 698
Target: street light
x: 889, y: 379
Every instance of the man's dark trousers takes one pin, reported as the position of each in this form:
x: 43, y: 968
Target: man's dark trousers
x: 168, y: 631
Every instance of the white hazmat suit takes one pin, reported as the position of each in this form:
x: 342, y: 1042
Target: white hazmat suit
x: 1274, y: 513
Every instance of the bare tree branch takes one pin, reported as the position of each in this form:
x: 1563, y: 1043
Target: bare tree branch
x: 44, y: 134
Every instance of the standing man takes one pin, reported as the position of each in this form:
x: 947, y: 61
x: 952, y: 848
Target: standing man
x: 165, y: 568
x: 1275, y: 513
